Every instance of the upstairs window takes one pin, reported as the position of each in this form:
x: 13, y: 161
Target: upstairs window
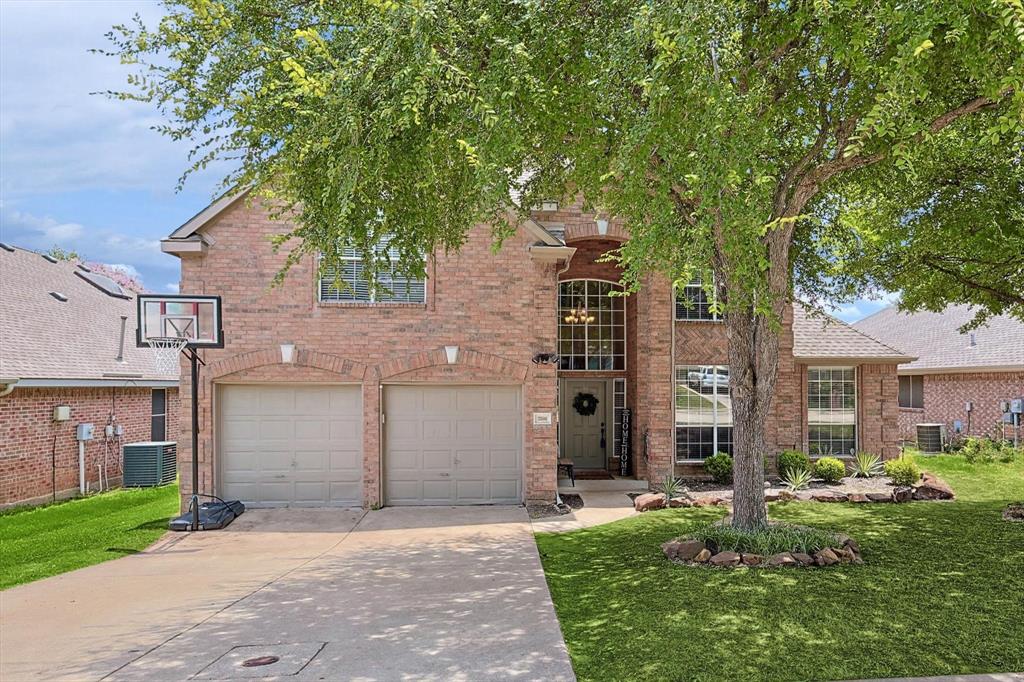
x: 912, y: 391
x: 693, y: 303
x: 350, y: 284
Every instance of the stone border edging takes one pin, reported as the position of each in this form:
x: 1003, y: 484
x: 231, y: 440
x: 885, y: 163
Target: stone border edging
x: 692, y: 552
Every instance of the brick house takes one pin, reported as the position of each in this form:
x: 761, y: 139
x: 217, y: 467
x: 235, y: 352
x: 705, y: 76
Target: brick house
x: 468, y: 386
x: 60, y: 346
x: 959, y: 379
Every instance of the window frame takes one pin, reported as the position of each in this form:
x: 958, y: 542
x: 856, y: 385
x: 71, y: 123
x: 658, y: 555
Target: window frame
x: 716, y: 442
x: 586, y: 354
x: 353, y: 255
x: 682, y: 298
x: 919, y: 393
x: 154, y: 415
x: 855, y: 411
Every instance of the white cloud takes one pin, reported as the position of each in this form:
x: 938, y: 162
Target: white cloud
x: 172, y: 287
x: 55, y: 135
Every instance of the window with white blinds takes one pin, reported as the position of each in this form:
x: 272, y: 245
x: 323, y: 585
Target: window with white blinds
x: 350, y: 283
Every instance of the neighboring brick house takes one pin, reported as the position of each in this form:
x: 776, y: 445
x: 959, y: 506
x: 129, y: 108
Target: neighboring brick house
x: 60, y: 339
x: 468, y: 386
x: 955, y: 370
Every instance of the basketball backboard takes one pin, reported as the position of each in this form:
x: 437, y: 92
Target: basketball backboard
x: 196, y: 318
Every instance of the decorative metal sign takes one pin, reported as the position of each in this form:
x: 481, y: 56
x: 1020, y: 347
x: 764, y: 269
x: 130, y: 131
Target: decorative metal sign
x: 626, y: 416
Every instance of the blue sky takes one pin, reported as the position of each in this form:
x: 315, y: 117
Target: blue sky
x: 87, y: 173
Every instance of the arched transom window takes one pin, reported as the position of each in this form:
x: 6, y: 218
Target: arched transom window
x: 591, y: 326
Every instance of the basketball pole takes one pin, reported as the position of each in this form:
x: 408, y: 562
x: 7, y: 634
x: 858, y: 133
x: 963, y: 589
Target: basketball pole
x: 194, y: 504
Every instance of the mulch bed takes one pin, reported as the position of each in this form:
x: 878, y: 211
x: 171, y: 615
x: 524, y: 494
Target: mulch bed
x: 570, y: 502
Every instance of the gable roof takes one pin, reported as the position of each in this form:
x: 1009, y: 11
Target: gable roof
x: 818, y: 336
x: 186, y: 239
x: 60, y: 325
x: 936, y: 339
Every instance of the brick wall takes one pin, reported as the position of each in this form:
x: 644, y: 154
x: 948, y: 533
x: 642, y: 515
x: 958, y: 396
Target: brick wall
x: 945, y: 396
x: 498, y: 308
x: 31, y: 442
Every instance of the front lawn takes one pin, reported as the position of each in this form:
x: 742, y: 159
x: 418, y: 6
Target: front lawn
x: 44, y: 541
x: 941, y: 593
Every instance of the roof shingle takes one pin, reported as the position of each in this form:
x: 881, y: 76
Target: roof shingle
x: 937, y: 341
x: 817, y: 336
x: 42, y: 337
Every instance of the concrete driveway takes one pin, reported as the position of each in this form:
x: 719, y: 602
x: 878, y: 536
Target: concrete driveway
x: 396, y: 594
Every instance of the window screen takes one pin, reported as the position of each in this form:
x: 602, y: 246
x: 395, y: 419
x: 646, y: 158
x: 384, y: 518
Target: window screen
x: 912, y: 391
x: 158, y: 418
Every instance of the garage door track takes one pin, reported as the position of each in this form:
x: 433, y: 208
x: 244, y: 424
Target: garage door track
x: 396, y: 594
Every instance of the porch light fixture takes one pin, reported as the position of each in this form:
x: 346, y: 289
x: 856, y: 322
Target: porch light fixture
x: 578, y: 316
x: 451, y: 353
x: 287, y: 353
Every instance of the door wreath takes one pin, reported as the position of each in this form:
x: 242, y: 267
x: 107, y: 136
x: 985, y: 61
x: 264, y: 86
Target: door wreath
x: 585, y: 404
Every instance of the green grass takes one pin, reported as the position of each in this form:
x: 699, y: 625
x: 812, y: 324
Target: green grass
x: 43, y: 541
x: 941, y: 592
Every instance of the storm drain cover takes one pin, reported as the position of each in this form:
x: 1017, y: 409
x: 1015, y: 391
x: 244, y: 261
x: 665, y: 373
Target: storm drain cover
x: 261, y: 660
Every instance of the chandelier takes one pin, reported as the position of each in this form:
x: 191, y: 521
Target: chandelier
x: 578, y: 316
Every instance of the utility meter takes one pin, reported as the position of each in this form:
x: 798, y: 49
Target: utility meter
x: 1017, y: 406
x: 84, y: 432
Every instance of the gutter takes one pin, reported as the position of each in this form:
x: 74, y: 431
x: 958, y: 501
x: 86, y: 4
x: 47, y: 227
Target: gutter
x: 8, y: 386
x: 92, y: 383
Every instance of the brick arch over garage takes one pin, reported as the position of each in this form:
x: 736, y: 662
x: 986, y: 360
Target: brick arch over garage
x: 342, y: 368
x: 469, y: 363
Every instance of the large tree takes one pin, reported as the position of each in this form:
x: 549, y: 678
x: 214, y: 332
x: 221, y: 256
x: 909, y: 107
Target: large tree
x: 745, y: 142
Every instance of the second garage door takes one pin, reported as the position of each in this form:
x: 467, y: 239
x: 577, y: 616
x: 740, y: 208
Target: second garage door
x: 291, y: 444
x: 452, y: 445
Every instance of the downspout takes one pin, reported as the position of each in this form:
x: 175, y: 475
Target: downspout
x: 8, y: 386
x: 558, y: 440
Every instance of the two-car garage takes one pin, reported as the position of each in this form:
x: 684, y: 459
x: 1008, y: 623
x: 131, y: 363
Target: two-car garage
x: 302, y: 444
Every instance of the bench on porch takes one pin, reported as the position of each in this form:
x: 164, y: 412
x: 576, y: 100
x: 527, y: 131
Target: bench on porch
x: 566, y: 464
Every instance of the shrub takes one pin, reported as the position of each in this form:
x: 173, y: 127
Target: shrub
x: 987, y: 450
x: 719, y: 466
x: 866, y: 465
x: 775, y: 538
x: 903, y: 471
x: 797, y: 479
x: 791, y: 460
x: 830, y: 470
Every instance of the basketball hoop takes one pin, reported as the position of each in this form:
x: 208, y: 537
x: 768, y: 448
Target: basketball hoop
x: 167, y: 350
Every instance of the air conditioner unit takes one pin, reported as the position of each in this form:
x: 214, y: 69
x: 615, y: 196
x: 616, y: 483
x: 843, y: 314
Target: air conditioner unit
x: 150, y: 464
x: 931, y: 437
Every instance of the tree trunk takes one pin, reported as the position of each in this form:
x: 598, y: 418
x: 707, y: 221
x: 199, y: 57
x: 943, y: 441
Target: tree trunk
x: 752, y: 380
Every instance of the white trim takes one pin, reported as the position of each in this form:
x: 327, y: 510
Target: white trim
x: 979, y: 369
x: 91, y: 383
x: 551, y: 253
x: 199, y: 220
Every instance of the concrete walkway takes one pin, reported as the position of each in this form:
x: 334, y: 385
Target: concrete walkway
x: 401, y: 593
x: 603, y: 502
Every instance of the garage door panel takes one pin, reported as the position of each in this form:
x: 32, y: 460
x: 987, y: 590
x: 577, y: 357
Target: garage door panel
x: 452, y: 445
x: 285, y: 445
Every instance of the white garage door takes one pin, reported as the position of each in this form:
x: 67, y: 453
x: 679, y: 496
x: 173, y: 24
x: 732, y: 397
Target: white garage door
x: 288, y: 444
x: 452, y: 445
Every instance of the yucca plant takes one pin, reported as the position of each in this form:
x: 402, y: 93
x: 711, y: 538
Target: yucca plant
x: 671, y: 487
x: 866, y: 465
x: 797, y: 479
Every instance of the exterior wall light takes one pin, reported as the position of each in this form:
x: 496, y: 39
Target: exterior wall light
x: 287, y: 353
x: 452, y: 353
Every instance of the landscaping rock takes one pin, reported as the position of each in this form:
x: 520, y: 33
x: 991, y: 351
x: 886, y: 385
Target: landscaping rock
x: 879, y: 497
x: 804, y: 496
x: 772, y: 497
x: 786, y: 496
x: 826, y: 557
x: 752, y: 559
x: 849, y: 543
x: 932, y: 488
x: 858, y: 498
x: 783, y: 559
x: 725, y: 559
x: 803, y: 559
x: 677, y: 502
x: 903, y: 493
x: 649, y: 501
x: 1014, y: 512
x: 702, y: 556
x: 687, y: 550
x: 827, y: 496
x: 707, y: 501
